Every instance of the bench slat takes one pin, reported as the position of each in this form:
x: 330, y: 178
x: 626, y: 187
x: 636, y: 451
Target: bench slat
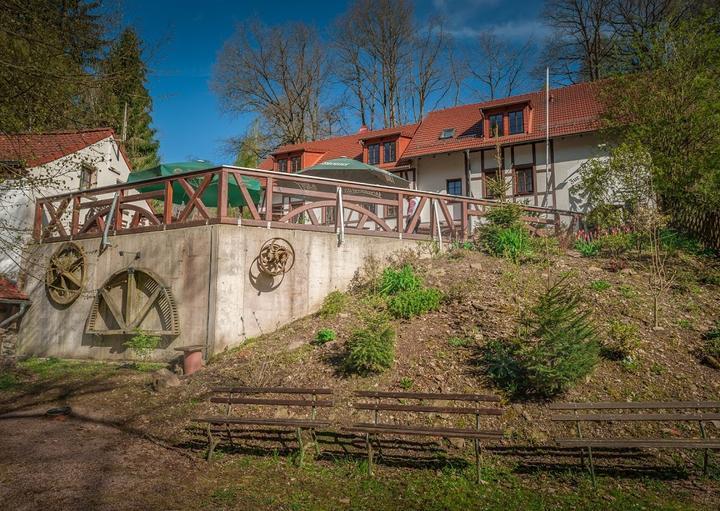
x: 632, y: 417
x: 280, y: 402
x: 687, y: 443
x: 430, y: 409
x: 651, y: 405
x: 442, y: 432
x: 420, y: 395
x: 272, y: 390
x: 271, y: 422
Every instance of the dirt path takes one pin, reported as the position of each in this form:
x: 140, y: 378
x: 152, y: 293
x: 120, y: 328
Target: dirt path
x: 73, y: 463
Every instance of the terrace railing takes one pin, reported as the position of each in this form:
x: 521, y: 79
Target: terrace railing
x: 285, y: 201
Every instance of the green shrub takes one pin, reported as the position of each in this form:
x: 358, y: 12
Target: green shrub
x: 616, y: 244
x: 325, y: 335
x: 587, y: 248
x: 333, y: 304
x: 710, y: 349
x: 143, y: 344
x: 371, y: 349
x: 395, y: 281
x: 505, y: 215
x: 622, y: 340
x: 627, y: 291
x: 416, y: 302
x: 8, y: 381
x: 605, y: 216
x: 600, y: 285
x: 510, y: 242
x: 406, y: 383
x: 555, y: 347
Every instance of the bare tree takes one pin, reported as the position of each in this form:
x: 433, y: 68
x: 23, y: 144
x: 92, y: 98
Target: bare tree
x: 580, y: 47
x: 499, y: 66
x: 280, y: 73
x: 431, y: 74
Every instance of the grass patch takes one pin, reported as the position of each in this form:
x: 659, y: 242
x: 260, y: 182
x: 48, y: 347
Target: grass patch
x: 416, y: 302
x: 325, y: 335
x: 8, y: 381
x: 600, y: 285
x: 458, y: 342
x: 52, y: 367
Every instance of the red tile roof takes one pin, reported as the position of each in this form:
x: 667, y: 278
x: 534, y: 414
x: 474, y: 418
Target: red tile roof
x: 573, y: 109
x: 33, y: 149
x: 336, y: 147
x: 9, y: 291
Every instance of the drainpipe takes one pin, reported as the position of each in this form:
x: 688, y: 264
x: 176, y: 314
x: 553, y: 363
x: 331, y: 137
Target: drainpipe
x: 18, y: 314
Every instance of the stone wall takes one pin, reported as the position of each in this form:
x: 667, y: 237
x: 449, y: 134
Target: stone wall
x: 221, y: 296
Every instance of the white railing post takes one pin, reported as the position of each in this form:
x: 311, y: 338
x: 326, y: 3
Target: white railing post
x: 339, y: 217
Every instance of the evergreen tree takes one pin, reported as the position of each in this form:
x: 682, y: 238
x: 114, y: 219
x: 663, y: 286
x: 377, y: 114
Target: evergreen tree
x: 126, y: 75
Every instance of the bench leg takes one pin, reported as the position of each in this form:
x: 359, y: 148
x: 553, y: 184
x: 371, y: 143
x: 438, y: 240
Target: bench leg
x: 301, y: 447
x: 370, y: 454
x: 315, y: 442
x: 592, y: 467
x: 211, y: 443
x: 478, y: 460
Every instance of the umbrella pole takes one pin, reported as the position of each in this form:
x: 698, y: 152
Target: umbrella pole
x: 339, y: 217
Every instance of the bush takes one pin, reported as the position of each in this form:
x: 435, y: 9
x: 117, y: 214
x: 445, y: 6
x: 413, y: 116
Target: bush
x: 395, y: 281
x: 416, y: 302
x: 325, y: 335
x: 587, y: 248
x: 505, y: 215
x: 371, y: 349
x: 555, y: 347
x: 143, y: 344
x: 333, y: 304
x: 600, y: 285
x: 622, y: 341
x: 510, y: 242
x: 616, y: 244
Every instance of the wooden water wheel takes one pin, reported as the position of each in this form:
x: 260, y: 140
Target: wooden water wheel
x: 66, y: 273
x: 133, y: 300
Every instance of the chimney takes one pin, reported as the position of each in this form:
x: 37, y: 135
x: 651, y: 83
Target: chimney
x: 362, y: 129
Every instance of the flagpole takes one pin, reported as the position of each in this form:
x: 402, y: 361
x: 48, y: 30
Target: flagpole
x: 547, y: 135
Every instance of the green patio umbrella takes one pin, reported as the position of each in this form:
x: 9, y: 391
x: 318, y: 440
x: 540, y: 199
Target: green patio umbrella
x: 348, y: 169
x: 209, y: 196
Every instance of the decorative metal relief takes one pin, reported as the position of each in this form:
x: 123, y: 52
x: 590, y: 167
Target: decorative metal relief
x: 276, y: 257
x: 66, y: 273
x: 132, y: 300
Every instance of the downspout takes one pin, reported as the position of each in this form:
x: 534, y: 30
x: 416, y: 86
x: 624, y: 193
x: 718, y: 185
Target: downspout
x: 468, y: 182
x: 18, y: 314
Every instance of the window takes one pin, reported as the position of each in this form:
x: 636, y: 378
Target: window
x: 88, y: 176
x: 389, y: 152
x: 454, y: 186
x: 295, y: 160
x: 524, y: 180
x: 496, y: 125
x: 516, y: 122
x: 447, y: 133
x: 282, y: 165
x: 373, y: 154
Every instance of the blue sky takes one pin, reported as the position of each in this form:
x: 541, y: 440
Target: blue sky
x: 182, y: 38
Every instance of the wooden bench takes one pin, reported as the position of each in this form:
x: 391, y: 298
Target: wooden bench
x: 674, y: 412
x: 379, y: 404
x: 307, y: 399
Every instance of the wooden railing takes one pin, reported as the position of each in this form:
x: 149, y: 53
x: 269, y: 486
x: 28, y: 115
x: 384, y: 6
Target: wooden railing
x: 284, y: 201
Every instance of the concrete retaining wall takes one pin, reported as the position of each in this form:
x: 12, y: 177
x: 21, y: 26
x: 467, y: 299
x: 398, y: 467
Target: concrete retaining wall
x: 221, y: 296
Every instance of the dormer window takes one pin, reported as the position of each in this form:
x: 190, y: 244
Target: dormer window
x: 389, y: 152
x: 282, y: 165
x: 496, y: 125
x: 295, y: 163
x: 373, y: 154
x: 516, y: 122
x: 447, y: 133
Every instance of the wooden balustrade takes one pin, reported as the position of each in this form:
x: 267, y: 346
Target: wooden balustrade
x: 285, y: 201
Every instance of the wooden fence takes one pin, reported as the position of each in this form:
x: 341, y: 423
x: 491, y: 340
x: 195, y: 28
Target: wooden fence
x: 284, y: 201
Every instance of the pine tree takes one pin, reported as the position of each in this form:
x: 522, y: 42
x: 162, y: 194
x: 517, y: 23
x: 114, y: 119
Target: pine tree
x: 126, y: 75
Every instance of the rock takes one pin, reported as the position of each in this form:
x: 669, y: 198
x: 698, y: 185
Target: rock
x: 475, y: 266
x: 295, y: 345
x: 163, y: 378
x: 594, y: 269
x: 627, y: 271
x: 458, y: 443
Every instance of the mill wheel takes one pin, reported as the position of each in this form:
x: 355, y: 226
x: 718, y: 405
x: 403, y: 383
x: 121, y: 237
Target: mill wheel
x: 65, y: 274
x: 133, y: 300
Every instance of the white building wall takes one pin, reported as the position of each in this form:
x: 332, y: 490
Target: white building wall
x: 17, y: 207
x: 569, y: 154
